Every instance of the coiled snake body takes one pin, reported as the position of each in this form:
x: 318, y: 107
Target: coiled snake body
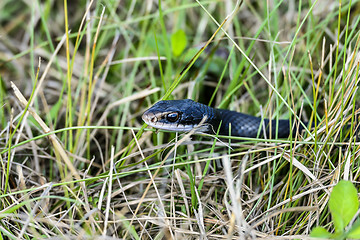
x: 184, y: 115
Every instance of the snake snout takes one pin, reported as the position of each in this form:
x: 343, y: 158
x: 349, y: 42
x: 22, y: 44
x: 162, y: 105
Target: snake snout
x: 149, y: 118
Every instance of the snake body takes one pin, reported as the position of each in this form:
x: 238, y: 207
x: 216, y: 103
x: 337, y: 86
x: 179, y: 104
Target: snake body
x: 184, y: 115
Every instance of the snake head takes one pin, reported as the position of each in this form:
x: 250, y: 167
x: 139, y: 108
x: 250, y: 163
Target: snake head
x: 175, y: 115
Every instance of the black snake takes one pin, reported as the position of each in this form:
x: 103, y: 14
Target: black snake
x: 184, y: 115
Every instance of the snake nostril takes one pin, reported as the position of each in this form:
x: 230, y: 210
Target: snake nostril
x: 153, y: 119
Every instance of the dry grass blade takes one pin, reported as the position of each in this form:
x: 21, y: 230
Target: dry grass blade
x: 108, y: 200
x: 59, y: 150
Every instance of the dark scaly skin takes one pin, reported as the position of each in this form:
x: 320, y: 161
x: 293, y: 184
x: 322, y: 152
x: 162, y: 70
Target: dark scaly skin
x: 242, y: 125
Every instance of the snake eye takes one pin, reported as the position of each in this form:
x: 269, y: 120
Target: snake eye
x: 172, y: 117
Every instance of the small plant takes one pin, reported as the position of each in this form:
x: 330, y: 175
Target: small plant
x: 343, y: 205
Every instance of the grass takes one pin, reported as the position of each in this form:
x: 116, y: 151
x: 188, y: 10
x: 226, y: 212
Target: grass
x: 78, y: 162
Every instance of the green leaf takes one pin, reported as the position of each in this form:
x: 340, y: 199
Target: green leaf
x: 320, y: 232
x: 354, y: 232
x: 343, y: 204
x: 178, y: 42
x: 338, y: 222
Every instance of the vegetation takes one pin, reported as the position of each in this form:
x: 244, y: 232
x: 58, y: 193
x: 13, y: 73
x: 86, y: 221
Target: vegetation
x: 343, y: 205
x: 76, y: 160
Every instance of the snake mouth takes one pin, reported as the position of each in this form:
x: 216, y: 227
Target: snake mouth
x: 158, y: 120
